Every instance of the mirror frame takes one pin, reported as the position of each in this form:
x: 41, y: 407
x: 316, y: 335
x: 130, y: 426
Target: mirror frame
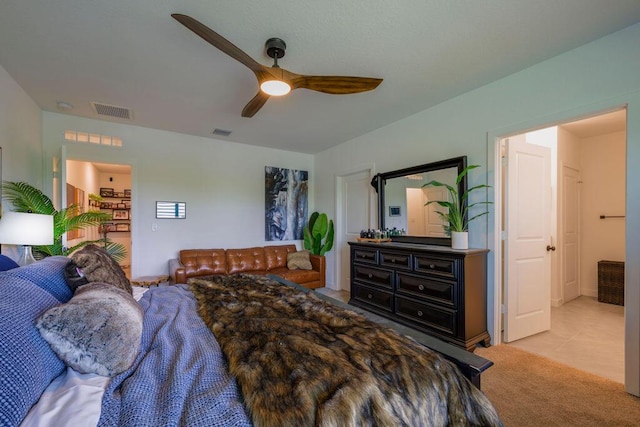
x: 379, y: 180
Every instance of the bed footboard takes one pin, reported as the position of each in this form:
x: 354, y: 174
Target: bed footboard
x: 471, y: 365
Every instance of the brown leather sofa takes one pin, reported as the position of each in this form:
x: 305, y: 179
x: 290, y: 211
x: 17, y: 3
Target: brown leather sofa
x: 259, y: 260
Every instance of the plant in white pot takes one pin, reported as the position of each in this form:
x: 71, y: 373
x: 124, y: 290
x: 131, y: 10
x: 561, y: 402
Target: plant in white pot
x: 457, y: 209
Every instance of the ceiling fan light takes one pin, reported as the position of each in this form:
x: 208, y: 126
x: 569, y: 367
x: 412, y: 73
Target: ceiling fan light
x: 275, y: 87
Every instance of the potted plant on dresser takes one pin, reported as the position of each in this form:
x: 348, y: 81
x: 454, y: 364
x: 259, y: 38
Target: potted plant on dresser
x: 457, y: 209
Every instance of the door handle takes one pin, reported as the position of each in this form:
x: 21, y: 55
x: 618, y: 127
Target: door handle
x: 550, y: 248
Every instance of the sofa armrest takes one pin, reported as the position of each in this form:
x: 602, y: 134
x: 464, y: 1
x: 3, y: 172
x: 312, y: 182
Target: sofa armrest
x: 318, y: 264
x: 177, y: 272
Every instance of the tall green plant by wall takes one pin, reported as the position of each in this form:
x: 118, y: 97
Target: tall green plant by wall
x: 318, y: 234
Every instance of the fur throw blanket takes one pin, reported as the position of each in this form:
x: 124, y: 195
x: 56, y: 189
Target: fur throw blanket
x: 300, y: 361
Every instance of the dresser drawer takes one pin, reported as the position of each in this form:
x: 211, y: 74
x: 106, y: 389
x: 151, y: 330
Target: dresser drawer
x: 395, y: 260
x: 374, y: 297
x: 365, y: 256
x: 374, y: 276
x: 426, y: 314
x: 436, y: 266
x: 439, y: 291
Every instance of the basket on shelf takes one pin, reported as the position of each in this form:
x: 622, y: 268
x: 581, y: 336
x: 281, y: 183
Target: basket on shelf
x: 611, y: 282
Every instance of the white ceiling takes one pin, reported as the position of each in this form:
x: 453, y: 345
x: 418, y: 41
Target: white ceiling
x: 132, y: 54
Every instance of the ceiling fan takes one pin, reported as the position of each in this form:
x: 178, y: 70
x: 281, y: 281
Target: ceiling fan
x: 276, y: 81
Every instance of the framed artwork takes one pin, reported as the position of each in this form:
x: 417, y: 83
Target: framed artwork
x: 394, y: 210
x: 120, y: 214
x: 106, y: 192
x: 122, y: 227
x: 75, y: 196
x: 286, y: 206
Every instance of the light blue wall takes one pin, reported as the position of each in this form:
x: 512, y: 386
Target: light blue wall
x: 20, y: 139
x: 20, y: 133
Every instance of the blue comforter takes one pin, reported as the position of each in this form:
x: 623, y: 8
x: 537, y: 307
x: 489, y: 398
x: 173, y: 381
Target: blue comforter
x: 180, y: 377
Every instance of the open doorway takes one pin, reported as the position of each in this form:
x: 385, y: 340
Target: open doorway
x: 105, y: 187
x: 588, y: 226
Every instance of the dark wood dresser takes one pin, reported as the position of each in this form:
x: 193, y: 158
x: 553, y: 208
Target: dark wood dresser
x: 434, y: 289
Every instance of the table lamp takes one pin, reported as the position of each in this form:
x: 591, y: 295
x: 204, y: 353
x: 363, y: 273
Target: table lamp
x: 26, y: 229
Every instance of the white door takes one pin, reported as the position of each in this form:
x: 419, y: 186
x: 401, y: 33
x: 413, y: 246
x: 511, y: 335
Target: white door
x: 434, y: 222
x: 355, y: 216
x: 528, y: 223
x: 415, y: 212
x: 570, y: 250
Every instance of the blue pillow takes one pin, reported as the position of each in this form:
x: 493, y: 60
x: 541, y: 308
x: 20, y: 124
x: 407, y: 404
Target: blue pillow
x: 7, y: 263
x: 47, y: 274
x: 27, y: 363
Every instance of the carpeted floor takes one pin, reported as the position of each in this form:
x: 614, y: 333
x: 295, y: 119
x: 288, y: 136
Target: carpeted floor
x: 529, y: 390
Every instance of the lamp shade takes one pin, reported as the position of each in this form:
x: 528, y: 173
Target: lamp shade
x: 18, y: 228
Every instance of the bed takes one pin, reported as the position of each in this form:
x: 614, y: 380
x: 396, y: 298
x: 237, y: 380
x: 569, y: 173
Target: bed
x: 225, y: 351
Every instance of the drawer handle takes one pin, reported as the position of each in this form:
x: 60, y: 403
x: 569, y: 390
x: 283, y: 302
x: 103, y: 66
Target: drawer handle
x: 369, y: 296
x: 432, y: 266
x: 370, y: 275
x: 421, y: 287
x: 420, y: 313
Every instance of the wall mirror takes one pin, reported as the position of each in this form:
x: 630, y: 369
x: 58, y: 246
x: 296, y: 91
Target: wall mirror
x: 403, y: 189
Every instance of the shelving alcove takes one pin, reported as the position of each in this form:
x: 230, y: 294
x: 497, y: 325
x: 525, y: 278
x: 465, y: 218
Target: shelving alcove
x: 118, y: 204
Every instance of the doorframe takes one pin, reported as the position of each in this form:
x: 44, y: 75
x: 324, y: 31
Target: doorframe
x: 630, y: 102
x: 339, y: 182
x: 97, y: 154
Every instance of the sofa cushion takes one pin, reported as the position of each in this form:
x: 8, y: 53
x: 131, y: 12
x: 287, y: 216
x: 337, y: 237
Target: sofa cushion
x: 97, y: 331
x: 201, y: 262
x: 276, y: 256
x: 299, y: 261
x: 245, y: 260
x: 27, y: 363
x: 299, y: 276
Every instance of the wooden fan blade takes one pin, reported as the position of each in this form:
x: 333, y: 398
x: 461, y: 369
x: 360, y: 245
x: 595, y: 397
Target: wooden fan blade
x: 220, y: 42
x: 255, y: 104
x: 338, y: 85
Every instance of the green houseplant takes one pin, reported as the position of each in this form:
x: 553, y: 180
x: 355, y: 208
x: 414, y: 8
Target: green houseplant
x: 457, y: 207
x: 318, y: 234
x: 26, y: 198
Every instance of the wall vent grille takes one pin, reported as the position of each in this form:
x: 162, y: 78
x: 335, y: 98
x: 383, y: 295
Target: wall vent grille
x: 221, y: 132
x: 112, y: 111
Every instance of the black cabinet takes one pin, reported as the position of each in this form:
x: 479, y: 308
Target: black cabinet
x: 434, y: 289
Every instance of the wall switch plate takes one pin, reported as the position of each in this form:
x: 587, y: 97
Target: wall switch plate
x: 154, y: 226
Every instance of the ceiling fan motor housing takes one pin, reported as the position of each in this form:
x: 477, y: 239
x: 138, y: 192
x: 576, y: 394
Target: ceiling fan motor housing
x: 275, y: 47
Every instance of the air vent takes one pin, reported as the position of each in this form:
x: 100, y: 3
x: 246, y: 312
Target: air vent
x: 221, y: 132
x: 112, y: 111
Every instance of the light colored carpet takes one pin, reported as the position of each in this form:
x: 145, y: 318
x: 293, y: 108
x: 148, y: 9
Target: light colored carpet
x: 529, y: 390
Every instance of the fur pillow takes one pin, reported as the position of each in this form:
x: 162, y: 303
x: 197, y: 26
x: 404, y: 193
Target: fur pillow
x: 97, y: 331
x: 96, y: 265
x: 74, y: 276
x: 299, y: 260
